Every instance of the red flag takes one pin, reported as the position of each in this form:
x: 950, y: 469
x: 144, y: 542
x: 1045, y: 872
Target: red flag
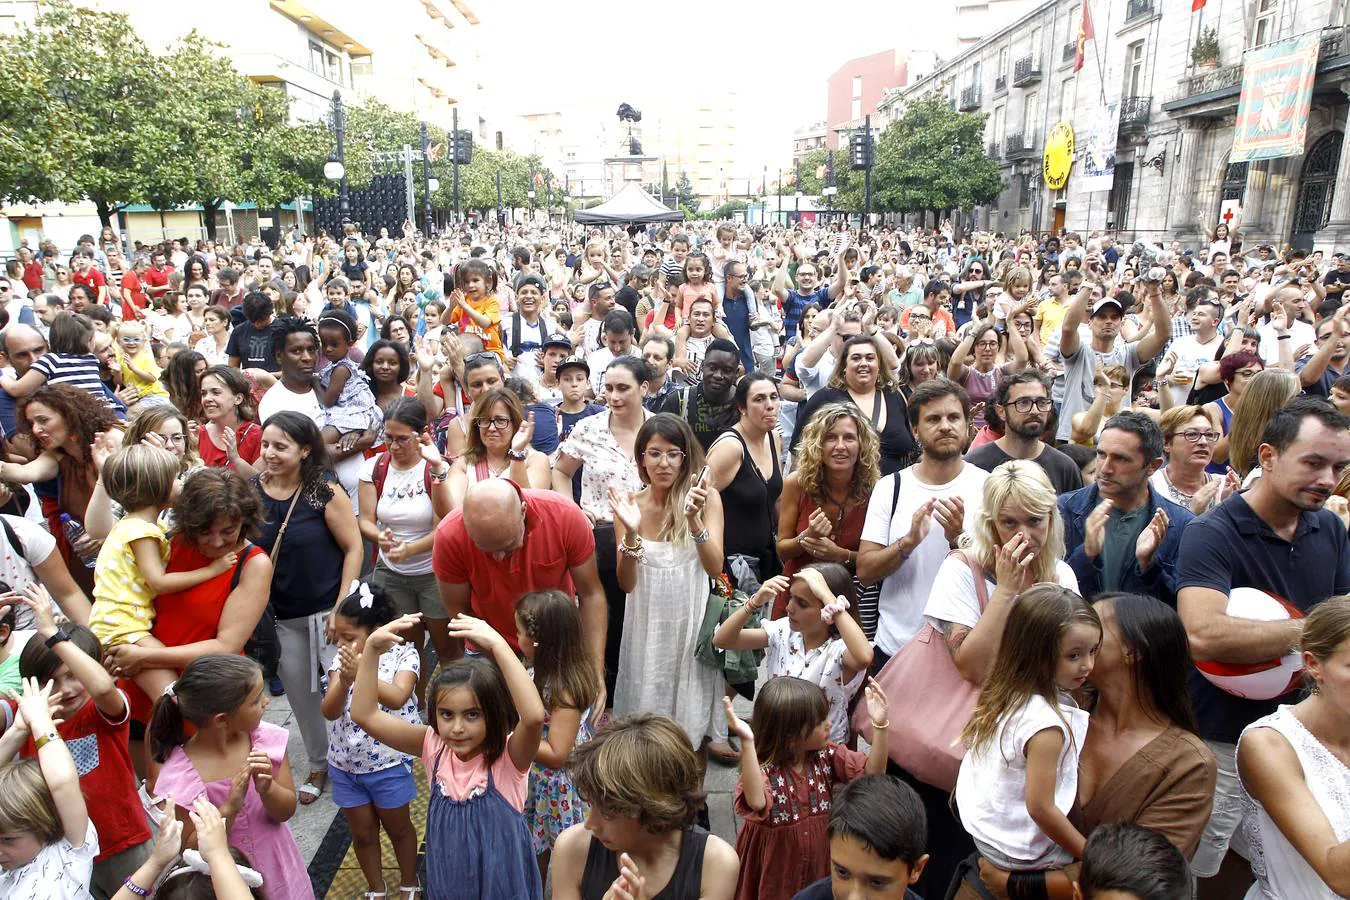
x: 1197, y: 5
x: 1085, y: 35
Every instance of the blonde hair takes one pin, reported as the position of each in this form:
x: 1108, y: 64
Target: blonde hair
x: 675, y: 430
x: 1268, y: 390
x: 1025, y: 484
x: 1178, y: 417
x: 141, y: 476
x: 1326, y: 628
x: 866, y: 471
x: 151, y: 418
x: 26, y: 803
x: 1013, y: 275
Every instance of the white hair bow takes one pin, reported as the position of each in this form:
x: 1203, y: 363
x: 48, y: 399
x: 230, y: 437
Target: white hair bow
x: 193, y: 862
x: 367, y: 598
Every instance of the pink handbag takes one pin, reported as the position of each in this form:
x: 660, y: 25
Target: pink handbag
x: 930, y: 702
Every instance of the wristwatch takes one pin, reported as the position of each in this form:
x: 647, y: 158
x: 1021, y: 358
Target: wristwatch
x: 517, y: 455
x: 61, y: 635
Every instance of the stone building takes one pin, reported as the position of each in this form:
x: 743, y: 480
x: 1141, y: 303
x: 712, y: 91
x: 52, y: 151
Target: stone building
x: 1176, y: 119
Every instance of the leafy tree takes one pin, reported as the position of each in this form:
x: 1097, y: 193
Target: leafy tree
x: 684, y: 192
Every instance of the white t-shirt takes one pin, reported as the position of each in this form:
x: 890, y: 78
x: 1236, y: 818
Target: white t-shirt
x: 954, y: 600
x: 824, y: 666
x: 279, y: 398
x: 16, y: 563
x: 60, y: 871
x: 1300, y: 333
x: 904, y: 593
x: 353, y: 751
x: 813, y: 378
x: 405, y: 509
x: 1190, y: 354
x: 991, y: 789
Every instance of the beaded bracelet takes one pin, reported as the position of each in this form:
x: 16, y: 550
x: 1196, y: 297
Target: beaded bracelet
x: 634, y: 553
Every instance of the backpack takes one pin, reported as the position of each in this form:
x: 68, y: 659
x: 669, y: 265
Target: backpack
x: 381, y: 473
x: 544, y: 333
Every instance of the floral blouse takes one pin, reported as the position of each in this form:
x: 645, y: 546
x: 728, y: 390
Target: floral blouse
x: 823, y: 666
x: 353, y: 751
x: 603, y: 463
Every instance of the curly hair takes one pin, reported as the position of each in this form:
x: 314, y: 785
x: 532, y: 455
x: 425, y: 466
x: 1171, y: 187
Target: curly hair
x: 1022, y: 483
x: 867, y: 469
x: 285, y: 326
x: 84, y: 414
x: 213, y: 495
x: 641, y: 766
x: 837, y: 381
x: 151, y: 418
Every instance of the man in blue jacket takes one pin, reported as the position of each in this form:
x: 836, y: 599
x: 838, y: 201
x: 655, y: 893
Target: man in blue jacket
x: 1120, y: 534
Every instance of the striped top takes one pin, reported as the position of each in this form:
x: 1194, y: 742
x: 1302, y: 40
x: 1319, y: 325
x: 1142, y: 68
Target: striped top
x: 76, y: 370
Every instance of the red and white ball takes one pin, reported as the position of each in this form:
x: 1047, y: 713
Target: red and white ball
x: 1264, y: 680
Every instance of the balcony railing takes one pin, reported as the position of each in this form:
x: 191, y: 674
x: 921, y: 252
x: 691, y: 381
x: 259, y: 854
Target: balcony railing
x: 1334, y: 42
x: 1000, y: 84
x: 1138, y: 9
x: 1019, y: 146
x: 1069, y: 52
x: 1026, y: 70
x: 970, y: 98
x: 991, y: 151
x: 1134, y: 113
x: 1207, y: 80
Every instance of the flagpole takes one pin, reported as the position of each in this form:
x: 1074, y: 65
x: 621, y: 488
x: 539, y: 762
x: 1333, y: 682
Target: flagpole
x: 1097, y: 50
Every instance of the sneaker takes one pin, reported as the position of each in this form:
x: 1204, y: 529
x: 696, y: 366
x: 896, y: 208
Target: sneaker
x: 275, y: 687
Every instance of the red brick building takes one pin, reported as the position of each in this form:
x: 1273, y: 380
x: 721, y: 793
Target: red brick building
x: 854, y: 90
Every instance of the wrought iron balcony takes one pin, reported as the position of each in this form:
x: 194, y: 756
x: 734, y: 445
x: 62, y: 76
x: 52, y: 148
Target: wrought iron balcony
x: 1134, y: 113
x: 1000, y: 83
x: 991, y: 151
x: 1138, y: 9
x: 1026, y: 70
x: 1069, y: 52
x: 970, y: 98
x: 1019, y: 146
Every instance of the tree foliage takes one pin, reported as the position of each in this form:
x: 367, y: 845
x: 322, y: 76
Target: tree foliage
x: 684, y: 192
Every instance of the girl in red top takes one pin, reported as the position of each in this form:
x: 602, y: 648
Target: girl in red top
x: 231, y: 435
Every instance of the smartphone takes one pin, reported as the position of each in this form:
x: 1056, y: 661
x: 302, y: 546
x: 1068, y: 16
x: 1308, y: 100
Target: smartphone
x: 703, y: 476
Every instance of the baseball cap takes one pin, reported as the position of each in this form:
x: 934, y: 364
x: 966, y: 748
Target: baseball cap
x: 572, y: 362
x: 557, y: 341
x: 1105, y: 302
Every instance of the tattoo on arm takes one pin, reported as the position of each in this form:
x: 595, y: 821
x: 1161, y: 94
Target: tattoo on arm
x: 955, y: 635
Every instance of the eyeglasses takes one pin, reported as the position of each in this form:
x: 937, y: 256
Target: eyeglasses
x: 986, y: 345
x: 401, y: 441
x: 485, y: 356
x: 173, y: 438
x: 1024, y: 404
x: 1195, y: 437
x: 500, y: 423
x: 654, y: 457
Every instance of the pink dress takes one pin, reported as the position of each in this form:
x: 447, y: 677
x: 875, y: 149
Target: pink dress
x: 267, y: 843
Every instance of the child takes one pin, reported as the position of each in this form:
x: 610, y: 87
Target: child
x: 432, y: 315
x: 766, y: 328
x: 1125, y: 861
x: 488, y: 720
x: 234, y: 759
x: 372, y: 784
x: 137, y: 363
x: 473, y: 305
x: 877, y: 833
x: 574, y: 382
x: 817, y: 640
x: 217, y: 871
x: 9, y: 657
x: 70, y: 360
x: 595, y: 266
x: 696, y: 285
x: 785, y: 801
x: 548, y: 630
x: 341, y: 385
x: 130, y: 569
x: 1019, y: 777
x: 47, y: 842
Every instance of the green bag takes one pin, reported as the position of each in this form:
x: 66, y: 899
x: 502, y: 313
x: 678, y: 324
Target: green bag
x: 738, y: 666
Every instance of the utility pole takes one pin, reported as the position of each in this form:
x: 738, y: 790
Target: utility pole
x: 867, y: 173
x: 501, y: 220
x: 454, y: 155
x: 340, y: 130
x: 797, y: 183
x: 426, y: 179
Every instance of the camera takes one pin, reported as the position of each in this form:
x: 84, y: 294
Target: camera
x: 1152, y: 262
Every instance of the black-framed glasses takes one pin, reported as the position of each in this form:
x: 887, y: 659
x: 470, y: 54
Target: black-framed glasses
x: 1024, y: 404
x: 500, y: 423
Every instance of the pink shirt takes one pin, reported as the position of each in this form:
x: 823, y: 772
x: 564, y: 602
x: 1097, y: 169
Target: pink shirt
x: 460, y: 779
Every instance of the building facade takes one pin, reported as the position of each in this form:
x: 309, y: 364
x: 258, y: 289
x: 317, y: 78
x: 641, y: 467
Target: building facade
x: 804, y: 140
x: 1176, y: 121
x: 855, y: 89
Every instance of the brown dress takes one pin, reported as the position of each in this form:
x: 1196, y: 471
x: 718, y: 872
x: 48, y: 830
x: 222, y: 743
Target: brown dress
x: 847, y: 534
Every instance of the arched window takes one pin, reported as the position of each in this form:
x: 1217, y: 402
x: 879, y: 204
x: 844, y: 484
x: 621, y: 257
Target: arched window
x: 1317, y: 184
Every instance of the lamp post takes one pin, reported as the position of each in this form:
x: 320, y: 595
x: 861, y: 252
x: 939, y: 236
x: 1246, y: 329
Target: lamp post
x: 797, y: 183
x: 335, y: 169
x: 427, y: 180
x: 529, y: 192
x: 500, y: 219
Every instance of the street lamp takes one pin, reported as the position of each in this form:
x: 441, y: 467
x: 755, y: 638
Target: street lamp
x: 435, y: 185
x: 336, y: 169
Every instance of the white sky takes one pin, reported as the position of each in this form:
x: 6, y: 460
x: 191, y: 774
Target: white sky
x: 545, y: 56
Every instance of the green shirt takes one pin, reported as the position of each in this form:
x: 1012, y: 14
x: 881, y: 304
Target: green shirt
x: 1122, y: 532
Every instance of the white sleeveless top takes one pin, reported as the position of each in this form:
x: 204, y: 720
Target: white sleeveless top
x: 1281, y: 871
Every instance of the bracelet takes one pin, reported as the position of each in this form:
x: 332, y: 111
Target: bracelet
x: 882, y: 727
x: 633, y: 553
x: 135, y: 888
x: 700, y: 538
x: 440, y: 476
x: 1283, y: 337
x: 43, y: 740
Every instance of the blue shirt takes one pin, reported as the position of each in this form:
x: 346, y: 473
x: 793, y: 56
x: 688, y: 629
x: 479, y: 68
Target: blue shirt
x: 797, y: 303
x: 736, y: 311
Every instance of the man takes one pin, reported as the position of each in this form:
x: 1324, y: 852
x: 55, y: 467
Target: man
x: 1023, y: 403
x: 709, y: 407
x: 738, y: 308
x: 586, y: 333
x: 1320, y: 371
x: 806, y: 294
x: 619, y: 333
x: 22, y: 346
x: 505, y: 542
x: 134, y: 299
x: 1189, y: 352
x: 937, y: 295
x: 1081, y: 363
x: 1299, y: 323
x: 1276, y: 537
x: 251, y: 343
x: 32, y: 269
x: 663, y: 394
x: 15, y: 301
x: 229, y: 294
x: 1120, y: 534
x: 156, y: 278
x: 915, y: 515
x: 629, y: 295
x: 1335, y: 281
x: 87, y: 274
x: 266, y: 268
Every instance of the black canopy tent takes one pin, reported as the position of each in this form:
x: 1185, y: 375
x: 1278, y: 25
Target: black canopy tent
x: 631, y: 205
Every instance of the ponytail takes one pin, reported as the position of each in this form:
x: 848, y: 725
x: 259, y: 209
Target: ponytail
x: 211, y: 685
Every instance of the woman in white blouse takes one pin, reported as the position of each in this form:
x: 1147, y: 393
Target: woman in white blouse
x: 217, y: 336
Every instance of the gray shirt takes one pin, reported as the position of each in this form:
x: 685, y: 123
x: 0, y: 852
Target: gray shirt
x: 1078, y: 371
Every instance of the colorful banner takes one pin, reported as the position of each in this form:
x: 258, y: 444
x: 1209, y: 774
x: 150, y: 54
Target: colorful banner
x: 1277, y: 83
x: 1099, y: 151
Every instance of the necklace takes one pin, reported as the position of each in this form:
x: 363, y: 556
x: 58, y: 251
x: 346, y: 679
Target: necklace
x: 839, y: 516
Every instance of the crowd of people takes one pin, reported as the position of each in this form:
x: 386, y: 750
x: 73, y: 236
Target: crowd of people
x: 1029, y: 552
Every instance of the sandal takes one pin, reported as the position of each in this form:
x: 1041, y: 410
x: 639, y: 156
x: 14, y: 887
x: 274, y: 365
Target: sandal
x: 412, y: 892
x: 309, y: 791
x: 376, y: 895
x: 723, y: 752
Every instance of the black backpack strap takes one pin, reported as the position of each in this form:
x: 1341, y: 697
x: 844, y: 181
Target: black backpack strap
x: 13, y: 538
x: 895, y: 494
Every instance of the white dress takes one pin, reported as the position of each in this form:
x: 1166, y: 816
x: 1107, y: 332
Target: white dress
x: 657, y: 669
x: 1281, y: 871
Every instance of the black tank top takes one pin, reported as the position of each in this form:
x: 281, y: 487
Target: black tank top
x: 749, y: 507
x: 602, y: 867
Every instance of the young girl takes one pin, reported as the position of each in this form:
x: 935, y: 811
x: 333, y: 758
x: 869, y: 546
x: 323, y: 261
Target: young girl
x: 137, y: 363
x: 341, y: 385
x: 817, y: 640
x: 372, y: 784
x: 47, y: 843
x: 548, y: 630
x: 487, y: 722
x: 236, y: 760
x: 432, y: 315
x: 473, y: 305
x: 785, y: 799
x: 595, y: 266
x: 1019, y: 777
x: 130, y: 571
x: 696, y: 285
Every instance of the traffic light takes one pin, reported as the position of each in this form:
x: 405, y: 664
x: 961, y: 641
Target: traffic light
x: 463, y: 151
x: 860, y: 150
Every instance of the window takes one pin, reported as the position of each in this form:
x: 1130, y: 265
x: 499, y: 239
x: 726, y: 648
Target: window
x: 1066, y: 100
x: 855, y: 109
x: 316, y: 58
x: 1118, y: 201
x: 1035, y: 43
x: 1266, y: 24
x: 857, y: 86
x: 998, y: 126
x: 1134, y: 69
x: 334, y: 66
x: 1071, y: 32
x: 1029, y: 116
x: 1003, y: 61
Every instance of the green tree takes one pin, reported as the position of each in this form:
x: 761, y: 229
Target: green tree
x: 478, y: 181
x: 684, y: 192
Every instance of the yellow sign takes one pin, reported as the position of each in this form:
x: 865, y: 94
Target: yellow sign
x: 1058, y: 156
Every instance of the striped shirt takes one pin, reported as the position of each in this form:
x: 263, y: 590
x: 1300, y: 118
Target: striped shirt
x: 76, y: 370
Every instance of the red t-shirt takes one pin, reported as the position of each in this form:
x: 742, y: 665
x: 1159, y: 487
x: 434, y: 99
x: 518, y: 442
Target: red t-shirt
x: 106, y: 778
x: 558, y: 537
x: 132, y: 282
x: 32, y: 276
x: 91, y: 277
x: 247, y: 435
x: 158, y: 278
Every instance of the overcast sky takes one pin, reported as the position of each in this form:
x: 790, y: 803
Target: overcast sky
x: 547, y: 56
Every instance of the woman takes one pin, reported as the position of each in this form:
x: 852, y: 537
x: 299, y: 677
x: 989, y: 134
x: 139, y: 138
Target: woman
x: 1142, y: 761
x: 162, y: 426
x: 670, y: 545
x: 861, y: 379
x: 981, y: 380
x: 1189, y: 436
x: 403, y: 493
x: 396, y: 329
x: 499, y: 447
x: 387, y: 366
x: 194, y: 272
x: 1236, y: 370
x: 644, y: 785
x: 1294, y: 773
x: 63, y: 284
x: 1267, y: 392
x: 65, y: 423
x: 181, y: 378
x: 316, y: 556
x: 921, y: 362
x: 824, y: 501
x: 1025, y: 325
x: 746, y: 475
x: 230, y: 435
x: 212, y: 347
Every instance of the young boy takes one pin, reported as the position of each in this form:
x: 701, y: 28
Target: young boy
x: 877, y: 833
x: 1125, y: 861
x: 96, y: 726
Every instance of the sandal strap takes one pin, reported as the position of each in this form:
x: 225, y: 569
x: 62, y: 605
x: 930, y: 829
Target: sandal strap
x: 410, y: 891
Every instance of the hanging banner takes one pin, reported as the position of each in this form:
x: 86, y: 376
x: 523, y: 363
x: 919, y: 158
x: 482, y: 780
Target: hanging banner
x: 1277, y: 83
x: 1099, y: 151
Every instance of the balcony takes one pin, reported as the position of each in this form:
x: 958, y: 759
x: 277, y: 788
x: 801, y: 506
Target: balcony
x: 1026, y: 70
x: 1134, y: 113
x: 1019, y: 146
x: 1069, y: 52
x: 991, y: 151
x: 970, y: 99
x: 1000, y: 84
x: 1138, y: 10
x: 1207, y: 93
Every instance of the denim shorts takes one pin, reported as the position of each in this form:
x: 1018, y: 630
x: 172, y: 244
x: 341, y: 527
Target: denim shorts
x: 386, y: 789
